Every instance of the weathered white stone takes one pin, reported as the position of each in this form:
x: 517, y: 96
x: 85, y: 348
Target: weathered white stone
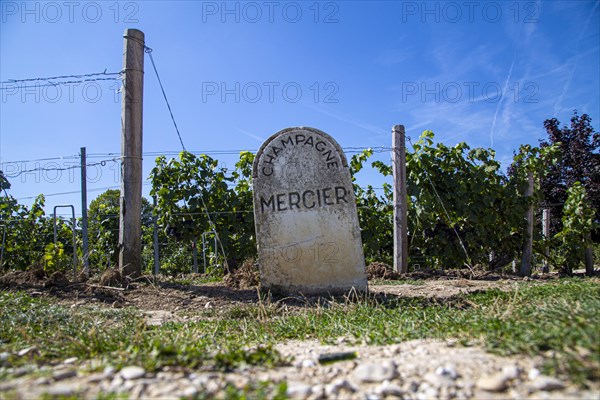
x: 511, y: 371
x: 334, y: 388
x: 389, y: 389
x: 62, y: 390
x: 189, y: 392
x: 375, y: 372
x: 95, y: 378
x: 492, y: 383
x: 41, y: 381
x: 298, y: 390
x: 306, y: 363
x: 533, y: 373
x: 26, y: 351
x: 547, y: 383
x: 60, y: 375
x: 305, y: 215
x: 137, y: 391
x: 437, y: 380
x: 448, y: 371
x: 132, y: 372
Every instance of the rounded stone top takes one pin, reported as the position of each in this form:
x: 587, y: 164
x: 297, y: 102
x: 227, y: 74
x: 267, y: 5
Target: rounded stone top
x: 312, y: 131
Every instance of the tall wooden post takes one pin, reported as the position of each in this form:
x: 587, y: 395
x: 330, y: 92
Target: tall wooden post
x: 546, y: 233
x: 400, y: 206
x: 84, y: 216
x: 589, y: 261
x: 130, y: 218
x: 528, y: 242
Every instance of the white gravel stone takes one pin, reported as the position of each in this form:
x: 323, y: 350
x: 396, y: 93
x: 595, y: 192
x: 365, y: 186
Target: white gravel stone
x: 212, y: 387
x: 137, y: 391
x: 95, y: 378
x: 411, y: 386
x: 547, y: 383
x: 41, y: 381
x: 64, y: 374
x: 26, y: 351
x: 493, y: 383
x: 318, y: 390
x: 389, y: 389
x: 62, y: 390
x: 511, y: 371
x: 132, y: 372
x: 375, y: 372
x: 189, y: 391
x: 533, y: 373
x: 337, y: 386
x: 116, y: 383
x: 437, y: 380
x: 427, y: 393
x: 298, y: 390
x: 307, y: 363
x: 22, y: 371
x: 448, y: 371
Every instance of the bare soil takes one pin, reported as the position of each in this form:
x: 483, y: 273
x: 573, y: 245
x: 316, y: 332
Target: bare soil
x: 151, y: 293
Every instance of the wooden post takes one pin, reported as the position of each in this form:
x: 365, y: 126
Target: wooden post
x: 589, y: 261
x: 84, y: 216
x: 546, y: 233
x: 400, y: 206
x: 528, y: 240
x: 130, y: 221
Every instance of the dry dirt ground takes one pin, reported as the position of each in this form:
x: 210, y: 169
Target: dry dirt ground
x: 176, y: 295
x: 420, y: 369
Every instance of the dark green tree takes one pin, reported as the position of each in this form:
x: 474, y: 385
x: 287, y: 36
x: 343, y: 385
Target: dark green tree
x: 579, y: 161
x: 4, y: 183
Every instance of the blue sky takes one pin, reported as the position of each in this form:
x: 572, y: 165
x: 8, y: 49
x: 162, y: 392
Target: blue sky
x: 485, y: 72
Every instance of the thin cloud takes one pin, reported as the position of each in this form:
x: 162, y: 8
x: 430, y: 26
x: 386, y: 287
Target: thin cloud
x: 370, y: 128
x: 502, y: 99
x: 251, y: 135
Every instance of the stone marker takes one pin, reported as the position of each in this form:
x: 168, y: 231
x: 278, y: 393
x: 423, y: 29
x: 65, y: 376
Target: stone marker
x: 305, y: 215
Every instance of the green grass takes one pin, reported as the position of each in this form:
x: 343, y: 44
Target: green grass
x: 558, y: 320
